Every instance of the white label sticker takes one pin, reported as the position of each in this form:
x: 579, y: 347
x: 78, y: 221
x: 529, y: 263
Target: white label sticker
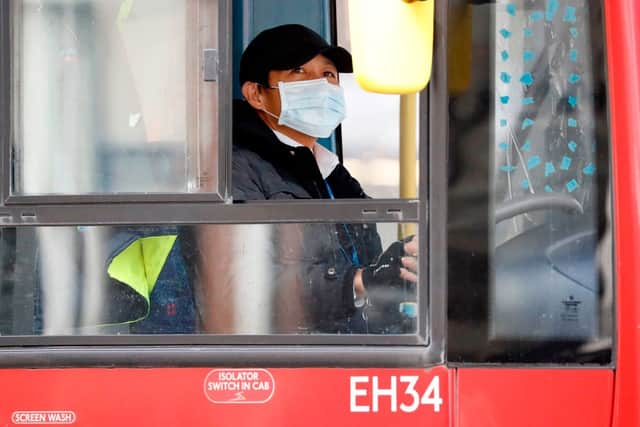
x: 43, y: 417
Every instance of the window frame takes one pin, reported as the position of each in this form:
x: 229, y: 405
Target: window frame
x: 220, y: 194
x: 423, y: 348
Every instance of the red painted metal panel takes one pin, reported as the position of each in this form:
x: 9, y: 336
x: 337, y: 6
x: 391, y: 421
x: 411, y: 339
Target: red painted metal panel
x: 533, y: 397
x: 225, y: 397
x: 623, y: 50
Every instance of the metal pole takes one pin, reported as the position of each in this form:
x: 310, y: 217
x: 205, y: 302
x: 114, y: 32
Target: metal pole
x: 408, y: 170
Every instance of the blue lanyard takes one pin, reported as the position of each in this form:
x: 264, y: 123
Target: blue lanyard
x: 355, y: 259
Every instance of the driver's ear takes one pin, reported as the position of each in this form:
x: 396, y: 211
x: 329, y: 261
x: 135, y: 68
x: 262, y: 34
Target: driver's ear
x: 252, y: 92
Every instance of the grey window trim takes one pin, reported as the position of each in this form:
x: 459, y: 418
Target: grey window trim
x: 219, y: 356
x: 5, y: 100
x: 371, y: 211
x: 426, y: 347
x: 210, y: 339
x: 98, y: 199
x: 225, y: 96
x: 435, y: 166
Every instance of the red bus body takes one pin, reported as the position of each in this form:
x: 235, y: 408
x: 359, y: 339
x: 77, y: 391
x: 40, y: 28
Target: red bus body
x: 623, y: 38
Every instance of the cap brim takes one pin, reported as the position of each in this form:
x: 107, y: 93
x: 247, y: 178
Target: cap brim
x: 340, y: 57
x: 287, y: 60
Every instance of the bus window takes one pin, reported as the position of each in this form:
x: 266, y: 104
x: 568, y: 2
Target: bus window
x: 200, y: 279
x: 109, y: 97
x: 100, y: 238
x: 537, y: 286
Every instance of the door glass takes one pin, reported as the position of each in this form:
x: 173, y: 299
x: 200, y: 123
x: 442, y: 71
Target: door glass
x: 536, y: 285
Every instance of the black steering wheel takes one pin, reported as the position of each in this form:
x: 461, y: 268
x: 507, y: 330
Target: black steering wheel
x: 537, y: 202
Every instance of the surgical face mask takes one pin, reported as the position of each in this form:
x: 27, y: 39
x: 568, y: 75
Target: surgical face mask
x: 313, y: 107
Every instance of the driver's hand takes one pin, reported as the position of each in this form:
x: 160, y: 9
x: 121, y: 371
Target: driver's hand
x: 409, y: 269
x: 399, y: 262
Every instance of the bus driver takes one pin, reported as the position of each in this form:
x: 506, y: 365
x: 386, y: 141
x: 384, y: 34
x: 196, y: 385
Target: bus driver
x: 289, y: 79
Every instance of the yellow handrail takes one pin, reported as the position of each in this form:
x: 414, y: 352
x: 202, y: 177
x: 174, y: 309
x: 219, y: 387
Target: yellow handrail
x: 408, y: 158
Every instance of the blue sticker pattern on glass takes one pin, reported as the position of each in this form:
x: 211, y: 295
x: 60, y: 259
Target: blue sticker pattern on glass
x: 505, y: 33
x: 552, y: 9
x: 527, y: 123
x: 527, y: 79
x: 549, y: 169
x: 533, y: 162
x: 573, y: 55
x: 569, y: 14
x: 572, y: 185
x: 536, y: 16
x: 528, y: 55
x: 565, y: 155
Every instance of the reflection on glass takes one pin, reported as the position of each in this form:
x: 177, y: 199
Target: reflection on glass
x: 219, y: 279
x: 107, y: 96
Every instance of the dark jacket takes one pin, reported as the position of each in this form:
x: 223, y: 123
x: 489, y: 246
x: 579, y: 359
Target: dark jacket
x: 264, y: 168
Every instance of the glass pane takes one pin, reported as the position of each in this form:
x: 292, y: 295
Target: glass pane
x: 372, y: 133
x: 109, y: 97
x: 539, y: 278
x: 217, y: 279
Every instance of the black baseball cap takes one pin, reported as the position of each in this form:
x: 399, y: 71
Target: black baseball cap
x: 286, y: 47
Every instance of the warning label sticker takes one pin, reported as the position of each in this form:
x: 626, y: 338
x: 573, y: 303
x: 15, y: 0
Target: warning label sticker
x: 234, y: 386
